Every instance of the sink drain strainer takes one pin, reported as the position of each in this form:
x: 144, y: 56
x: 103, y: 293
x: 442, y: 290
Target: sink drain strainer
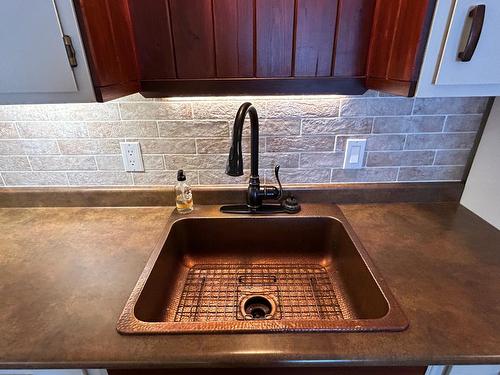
x: 255, y: 307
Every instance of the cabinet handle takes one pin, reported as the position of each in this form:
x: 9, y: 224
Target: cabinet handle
x: 477, y: 14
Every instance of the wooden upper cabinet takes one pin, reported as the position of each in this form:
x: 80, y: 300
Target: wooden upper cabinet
x: 225, y: 47
x: 398, y: 38
x: 206, y: 47
x: 106, y: 29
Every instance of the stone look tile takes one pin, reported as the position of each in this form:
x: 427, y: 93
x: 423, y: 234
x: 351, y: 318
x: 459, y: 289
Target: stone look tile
x: 8, y: 130
x: 69, y: 141
x: 89, y: 146
x: 51, y: 129
x: 99, y: 178
x: 440, y: 141
x: 222, y: 145
x: 63, y: 163
x: 14, y: 163
x: 122, y: 129
x: 216, y: 109
x: 407, y: 124
x: 216, y: 161
x: 277, y: 127
x: 188, y: 129
x: 399, y: 158
x: 156, y: 111
x: 321, y: 159
x: 463, y: 123
x: 219, y: 177
x: 376, y: 107
x: 35, y: 178
x: 306, y: 143
x: 28, y: 147
x: 60, y: 112
x: 432, y: 106
x: 270, y: 160
x: 340, y: 125
x: 379, y: 142
x: 452, y: 157
x: 164, y: 178
x: 364, y: 175
x: 454, y: 173
x: 115, y: 162
x: 299, y: 108
x: 300, y: 176
x: 168, y: 146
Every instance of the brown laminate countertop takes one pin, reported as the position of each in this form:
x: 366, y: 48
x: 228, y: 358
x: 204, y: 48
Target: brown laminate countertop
x: 66, y: 273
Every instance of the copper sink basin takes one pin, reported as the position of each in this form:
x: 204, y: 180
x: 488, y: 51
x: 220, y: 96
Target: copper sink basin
x: 214, y: 272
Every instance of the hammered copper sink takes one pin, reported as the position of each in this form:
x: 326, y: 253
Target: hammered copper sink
x: 214, y: 272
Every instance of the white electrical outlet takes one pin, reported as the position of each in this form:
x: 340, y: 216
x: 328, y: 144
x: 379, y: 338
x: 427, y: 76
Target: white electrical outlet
x: 354, y: 153
x: 132, y: 156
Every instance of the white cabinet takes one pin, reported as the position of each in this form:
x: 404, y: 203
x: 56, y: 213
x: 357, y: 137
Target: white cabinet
x: 443, y: 72
x: 35, y: 66
x: 464, y: 370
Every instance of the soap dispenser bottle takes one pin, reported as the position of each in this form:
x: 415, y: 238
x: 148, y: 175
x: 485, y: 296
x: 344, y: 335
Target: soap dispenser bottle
x: 183, y: 194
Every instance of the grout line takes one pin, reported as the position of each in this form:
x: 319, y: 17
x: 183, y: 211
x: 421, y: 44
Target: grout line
x: 29, y: 161
x: 434, y: 159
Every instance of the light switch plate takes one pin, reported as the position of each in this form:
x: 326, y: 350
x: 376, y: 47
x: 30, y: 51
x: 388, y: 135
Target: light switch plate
x: 132, y: 156
x: 354, y: 153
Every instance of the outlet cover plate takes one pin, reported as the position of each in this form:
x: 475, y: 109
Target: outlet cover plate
x: 354, y: 153
x: 132, y: 156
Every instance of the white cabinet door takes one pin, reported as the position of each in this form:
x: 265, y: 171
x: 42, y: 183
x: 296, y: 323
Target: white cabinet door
x: 34, y: 66
x: 475, y: 370
x: 34, y: 57
x: 442, y: 74
x: 464, y: 370
x: 483, y: 68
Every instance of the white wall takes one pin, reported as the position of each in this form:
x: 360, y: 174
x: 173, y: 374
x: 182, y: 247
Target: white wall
x: 482, y: 190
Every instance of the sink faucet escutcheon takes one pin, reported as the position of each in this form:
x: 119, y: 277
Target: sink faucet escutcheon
x: 256, y: 193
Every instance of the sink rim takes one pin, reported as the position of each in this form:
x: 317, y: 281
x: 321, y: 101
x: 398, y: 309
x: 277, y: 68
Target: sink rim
x: 393, y: 320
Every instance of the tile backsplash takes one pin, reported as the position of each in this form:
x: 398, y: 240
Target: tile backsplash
x: 78, y: 144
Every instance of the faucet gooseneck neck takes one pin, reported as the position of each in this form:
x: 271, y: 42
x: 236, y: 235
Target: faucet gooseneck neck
x: 235, y: 161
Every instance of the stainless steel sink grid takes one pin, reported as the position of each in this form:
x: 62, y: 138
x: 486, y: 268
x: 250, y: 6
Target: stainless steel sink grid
x: 216, y: 292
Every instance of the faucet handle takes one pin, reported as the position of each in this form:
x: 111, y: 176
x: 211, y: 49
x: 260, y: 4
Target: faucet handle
x: 276, y: 174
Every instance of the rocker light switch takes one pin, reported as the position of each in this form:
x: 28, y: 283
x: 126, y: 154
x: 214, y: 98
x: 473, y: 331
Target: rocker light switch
x: 354, y: 152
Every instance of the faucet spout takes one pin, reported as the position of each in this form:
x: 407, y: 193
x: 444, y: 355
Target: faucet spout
x: 235, y: 161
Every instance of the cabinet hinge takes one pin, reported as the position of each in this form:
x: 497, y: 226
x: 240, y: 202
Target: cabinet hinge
x: 70, y: 51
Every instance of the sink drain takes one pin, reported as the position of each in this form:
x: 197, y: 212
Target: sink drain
x: 255, y: 307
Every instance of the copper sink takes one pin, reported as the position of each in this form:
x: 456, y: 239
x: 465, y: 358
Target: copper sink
x: 214, y: 272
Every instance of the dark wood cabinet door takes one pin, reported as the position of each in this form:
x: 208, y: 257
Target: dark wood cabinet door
x: 106, y: 28
x: 226, y: 47
x: 398, y: 38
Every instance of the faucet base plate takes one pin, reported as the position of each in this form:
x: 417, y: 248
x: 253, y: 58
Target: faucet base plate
x: 265, y: 209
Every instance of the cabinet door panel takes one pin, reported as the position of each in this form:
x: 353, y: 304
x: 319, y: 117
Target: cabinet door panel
x: 151, y: 21
x: 234, y: 23
x: 352, y: 39
x: 274, y: 37
x: 31, y: 37
x: 193, y: 35
x: 316, y: 21
x: 483, y: 68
